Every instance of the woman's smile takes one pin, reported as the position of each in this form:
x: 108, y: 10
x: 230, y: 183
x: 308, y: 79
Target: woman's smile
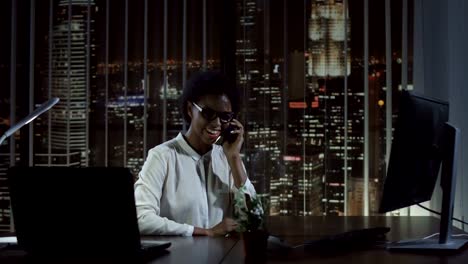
x: 213, y: 134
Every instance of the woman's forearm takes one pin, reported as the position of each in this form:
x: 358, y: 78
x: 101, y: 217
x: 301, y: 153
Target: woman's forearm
x: 238, y: 172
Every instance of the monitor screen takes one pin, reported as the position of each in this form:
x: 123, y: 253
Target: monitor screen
x: 416, y: 152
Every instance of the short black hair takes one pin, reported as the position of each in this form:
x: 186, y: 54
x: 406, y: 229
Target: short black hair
x: 208, y: 83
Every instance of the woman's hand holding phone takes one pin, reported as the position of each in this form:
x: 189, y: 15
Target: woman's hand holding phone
x: 233, y: 137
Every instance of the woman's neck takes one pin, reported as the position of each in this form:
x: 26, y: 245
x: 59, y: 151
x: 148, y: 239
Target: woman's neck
x: 196, y: 144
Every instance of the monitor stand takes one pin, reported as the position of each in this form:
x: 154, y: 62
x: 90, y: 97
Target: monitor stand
x: 445, y: 241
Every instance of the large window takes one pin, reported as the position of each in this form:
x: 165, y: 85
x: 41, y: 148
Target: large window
x: 319, y: 80
x: 319, y: 115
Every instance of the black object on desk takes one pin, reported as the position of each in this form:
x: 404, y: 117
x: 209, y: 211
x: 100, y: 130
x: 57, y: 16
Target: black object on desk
x: 354, y: 239
x: 277, y: 244
x: 77, y: 212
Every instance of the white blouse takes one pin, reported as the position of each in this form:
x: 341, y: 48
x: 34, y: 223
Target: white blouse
x: 178, y: 189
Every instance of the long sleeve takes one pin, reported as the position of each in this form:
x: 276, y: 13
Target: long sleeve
x: 247, y: 187
x: 148, y: 190
x: 239, y: 194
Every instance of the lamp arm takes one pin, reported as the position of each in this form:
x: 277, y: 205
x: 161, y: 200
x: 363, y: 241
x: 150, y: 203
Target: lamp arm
x: 41, y: 109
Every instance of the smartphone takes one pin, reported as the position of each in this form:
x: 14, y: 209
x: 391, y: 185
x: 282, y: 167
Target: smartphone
x: 228, y: 136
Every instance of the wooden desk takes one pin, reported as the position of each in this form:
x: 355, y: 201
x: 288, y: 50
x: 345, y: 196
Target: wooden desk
x: 195, y: 249
x: 297, y: 229
x: 182, y: 250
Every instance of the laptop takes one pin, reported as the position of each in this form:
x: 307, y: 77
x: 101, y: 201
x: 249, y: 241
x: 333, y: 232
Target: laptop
x: 77, y: 212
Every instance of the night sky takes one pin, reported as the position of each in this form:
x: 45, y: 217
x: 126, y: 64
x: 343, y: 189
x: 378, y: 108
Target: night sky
x: 215, y: 22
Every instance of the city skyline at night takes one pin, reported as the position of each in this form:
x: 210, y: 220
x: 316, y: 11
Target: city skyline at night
x: 291, y: 82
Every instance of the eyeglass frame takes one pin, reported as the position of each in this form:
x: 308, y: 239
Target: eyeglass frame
x: 216, y: 114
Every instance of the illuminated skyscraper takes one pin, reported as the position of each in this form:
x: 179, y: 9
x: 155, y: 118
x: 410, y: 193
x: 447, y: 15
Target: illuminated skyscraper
x: 260, y: 89
x: 301, y: 188
x: 327, y: 39
x: 327, y: 65
x: 69, y: 83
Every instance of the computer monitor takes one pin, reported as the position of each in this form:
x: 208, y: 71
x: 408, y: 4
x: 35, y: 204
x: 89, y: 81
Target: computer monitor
x: 423, y: 140
x: 416, y: 152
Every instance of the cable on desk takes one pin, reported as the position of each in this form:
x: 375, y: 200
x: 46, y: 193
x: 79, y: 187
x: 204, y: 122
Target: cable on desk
x: 438, y: 213
x: 436, y: 234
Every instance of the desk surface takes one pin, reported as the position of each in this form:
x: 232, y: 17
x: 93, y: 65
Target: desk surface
x: 297, y: 229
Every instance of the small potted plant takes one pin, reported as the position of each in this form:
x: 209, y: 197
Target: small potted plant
x: 249, y: 212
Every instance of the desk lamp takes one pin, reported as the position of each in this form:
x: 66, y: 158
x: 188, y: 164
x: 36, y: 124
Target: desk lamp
x: 41, y: 109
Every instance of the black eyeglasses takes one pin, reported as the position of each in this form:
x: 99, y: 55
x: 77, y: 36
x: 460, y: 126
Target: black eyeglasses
x: 210, y: 114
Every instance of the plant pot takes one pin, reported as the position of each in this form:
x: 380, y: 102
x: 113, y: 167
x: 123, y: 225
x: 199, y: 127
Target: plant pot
x: 255, y: 244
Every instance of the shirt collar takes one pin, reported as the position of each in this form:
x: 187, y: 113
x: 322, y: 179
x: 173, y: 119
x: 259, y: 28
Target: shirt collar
x: 186, y: 147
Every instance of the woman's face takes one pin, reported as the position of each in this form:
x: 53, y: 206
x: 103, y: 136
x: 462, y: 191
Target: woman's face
x: 204, y: 132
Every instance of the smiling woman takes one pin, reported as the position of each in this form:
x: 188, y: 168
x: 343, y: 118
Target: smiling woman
x: 187, y: 185
x: 209, y: 120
